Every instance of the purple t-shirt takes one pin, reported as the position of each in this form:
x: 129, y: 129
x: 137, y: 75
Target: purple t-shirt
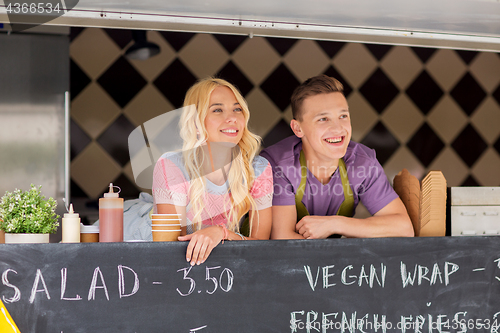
x: 366, y: 178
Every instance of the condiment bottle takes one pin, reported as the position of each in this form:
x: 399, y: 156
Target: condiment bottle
x: 111, y: 217
x: 71, y: 226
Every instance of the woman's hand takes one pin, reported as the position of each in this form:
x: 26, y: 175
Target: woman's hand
x: 201, y: 243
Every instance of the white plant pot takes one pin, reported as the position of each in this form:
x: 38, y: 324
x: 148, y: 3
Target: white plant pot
x: 26, y: 238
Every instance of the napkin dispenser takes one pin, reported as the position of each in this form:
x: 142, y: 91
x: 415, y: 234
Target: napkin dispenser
x: 475, y: 211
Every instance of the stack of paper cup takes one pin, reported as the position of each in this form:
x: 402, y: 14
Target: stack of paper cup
x: 165, y: 227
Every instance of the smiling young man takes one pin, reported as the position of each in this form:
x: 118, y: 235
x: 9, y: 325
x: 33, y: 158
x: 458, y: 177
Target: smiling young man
x: 320, y: 175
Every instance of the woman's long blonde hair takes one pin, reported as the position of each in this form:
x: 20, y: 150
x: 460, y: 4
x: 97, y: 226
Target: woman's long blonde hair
x: 241, y: 174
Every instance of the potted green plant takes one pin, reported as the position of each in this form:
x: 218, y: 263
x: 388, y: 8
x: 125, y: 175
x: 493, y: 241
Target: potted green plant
x: 27, y: 217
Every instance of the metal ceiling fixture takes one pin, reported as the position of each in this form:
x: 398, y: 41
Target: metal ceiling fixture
x: 142, y: 49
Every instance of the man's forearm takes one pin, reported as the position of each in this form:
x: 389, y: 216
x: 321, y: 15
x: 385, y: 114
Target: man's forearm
x: 392, y: 225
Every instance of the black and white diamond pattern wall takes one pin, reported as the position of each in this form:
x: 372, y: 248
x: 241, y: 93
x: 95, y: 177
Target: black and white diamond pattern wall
x: 419, y: 108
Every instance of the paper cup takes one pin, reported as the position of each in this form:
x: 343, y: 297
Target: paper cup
x: 166, y: 222
x: 165, y: 216
x: 162, y: 229
x: 166, y: 235
x: 166, y: 227
x: 89, y: 233
x: 177, y: 225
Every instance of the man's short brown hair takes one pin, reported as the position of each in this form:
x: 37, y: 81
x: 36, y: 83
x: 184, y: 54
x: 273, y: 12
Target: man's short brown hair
x: 313, y: 86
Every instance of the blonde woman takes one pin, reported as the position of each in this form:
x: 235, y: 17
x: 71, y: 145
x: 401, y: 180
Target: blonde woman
x: 217, y: 178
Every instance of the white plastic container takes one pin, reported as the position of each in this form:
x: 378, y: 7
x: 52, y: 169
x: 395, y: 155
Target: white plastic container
x: 71, y: 226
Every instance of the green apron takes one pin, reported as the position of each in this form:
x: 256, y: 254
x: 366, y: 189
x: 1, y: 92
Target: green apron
x: 345, y: 209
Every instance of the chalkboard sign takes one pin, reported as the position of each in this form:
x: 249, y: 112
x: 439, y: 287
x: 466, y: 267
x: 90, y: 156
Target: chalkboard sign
x: 335, y: 285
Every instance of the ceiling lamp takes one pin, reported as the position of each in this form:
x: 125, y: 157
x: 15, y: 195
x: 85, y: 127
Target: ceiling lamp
x: 142, y: 49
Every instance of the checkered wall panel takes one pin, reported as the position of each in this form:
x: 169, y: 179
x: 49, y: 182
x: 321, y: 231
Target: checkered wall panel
x: 419, y: 108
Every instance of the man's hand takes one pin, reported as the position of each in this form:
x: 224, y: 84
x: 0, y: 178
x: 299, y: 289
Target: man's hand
x: 316, y: 227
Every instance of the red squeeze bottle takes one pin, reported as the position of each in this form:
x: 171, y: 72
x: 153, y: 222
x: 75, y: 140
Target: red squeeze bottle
x: 111, y: 217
